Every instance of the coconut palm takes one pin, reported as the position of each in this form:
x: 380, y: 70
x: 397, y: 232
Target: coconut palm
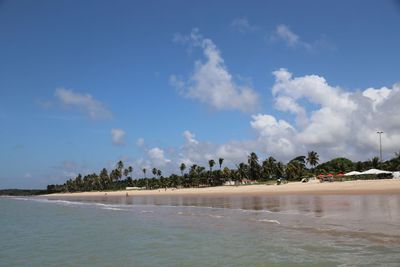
x: 182, y: 168
x: 312, y: 158
x: 375, y: 162
x: 254, y: 166
x: 220, y: 161
x: 120, y: 165
x: 268, y: 167
x: 144, y: 172
x: 242, y: 170
x: 211, y: 163
x: 293, y: 170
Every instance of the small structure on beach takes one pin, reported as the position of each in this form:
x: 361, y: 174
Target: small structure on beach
x: 376, y: 171
x: 352, y: 173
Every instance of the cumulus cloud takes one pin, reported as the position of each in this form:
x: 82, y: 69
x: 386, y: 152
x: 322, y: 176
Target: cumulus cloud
x: 335, y: 122
x: 242, y: 25
x: 83, y: 102
x: 211, y: 83
x: 157, y: 157
x: 190, y: 138
x: 117, y: 136
x: 194, y: 151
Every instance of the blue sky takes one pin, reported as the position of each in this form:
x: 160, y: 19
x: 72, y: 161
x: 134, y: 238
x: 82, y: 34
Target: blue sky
x: 84, y: 84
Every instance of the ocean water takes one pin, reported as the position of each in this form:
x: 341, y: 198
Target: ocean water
x: 286, y: 230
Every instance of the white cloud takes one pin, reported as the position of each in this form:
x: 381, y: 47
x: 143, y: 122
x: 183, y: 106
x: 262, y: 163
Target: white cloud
x: 84, y: 102
x: 117, y: 136
x: 284, y: 33
x: 377, y: 96
x: 340, y: 123
x: 140, y: 142
x: 157, y: 157
x: 211, y: 83
x: 190, y: 138
x: 291, y: 39
x: 242, y: 25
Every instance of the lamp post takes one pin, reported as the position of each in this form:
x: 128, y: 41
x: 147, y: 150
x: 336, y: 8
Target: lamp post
x: 380, y: 143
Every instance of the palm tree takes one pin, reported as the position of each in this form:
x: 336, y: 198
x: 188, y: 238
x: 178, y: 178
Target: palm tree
x: 279, y: 169
x: 312, y: 158
x: 211, y: 163
x: 159, y: 173
x: 120, y: 165
x: 242, y: 169
x: 375, y: 162
x: 220, y: 161
x: 294, y: 168
x: 144, y: 172
x: 268, y: 167
x: 254, y: 166
x: 182, y: 168
x: 154, y: 171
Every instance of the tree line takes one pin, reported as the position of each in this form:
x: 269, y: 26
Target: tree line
x: 195, y: 175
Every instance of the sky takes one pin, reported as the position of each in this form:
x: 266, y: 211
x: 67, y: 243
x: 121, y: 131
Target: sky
x: 84, y: 84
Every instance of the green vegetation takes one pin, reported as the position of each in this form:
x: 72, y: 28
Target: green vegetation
x: 255, y: 170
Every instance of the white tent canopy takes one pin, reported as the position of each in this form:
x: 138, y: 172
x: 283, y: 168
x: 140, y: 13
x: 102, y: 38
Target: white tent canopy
x: 352, y: 173
x: 370, y: 171
x: 375, y: 171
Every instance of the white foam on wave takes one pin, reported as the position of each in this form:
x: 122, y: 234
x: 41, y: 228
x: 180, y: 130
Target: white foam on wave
x: 257, y: 211
x: 111, y: 208
x: 146, y: 211
x: 216, y: 216
x: 269, y: 221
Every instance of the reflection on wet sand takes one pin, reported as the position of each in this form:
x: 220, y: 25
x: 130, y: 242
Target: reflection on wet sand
x: 375, y: 218
x: 353, y: 206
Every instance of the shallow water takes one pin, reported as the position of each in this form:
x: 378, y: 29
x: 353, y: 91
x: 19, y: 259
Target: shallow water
x: 286, y: 230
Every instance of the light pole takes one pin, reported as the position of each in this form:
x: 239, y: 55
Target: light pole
x: 380, y: 143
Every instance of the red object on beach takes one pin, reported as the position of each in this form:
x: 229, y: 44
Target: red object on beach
x: 340, y: 174
x: 330, y: 175
x: 321, y: 175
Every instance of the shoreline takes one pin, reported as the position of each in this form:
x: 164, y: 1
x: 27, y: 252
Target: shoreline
x: 384, y: 186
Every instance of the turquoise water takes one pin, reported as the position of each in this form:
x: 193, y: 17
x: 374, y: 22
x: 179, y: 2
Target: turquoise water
x: 292, y: 230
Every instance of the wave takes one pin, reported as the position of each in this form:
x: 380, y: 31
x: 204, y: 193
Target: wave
x: 144, y: 208
x: 111, y: 208
x: 269, y: 221
x: 146, y: 211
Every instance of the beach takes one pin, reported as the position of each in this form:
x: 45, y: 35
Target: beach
x: 384, y: 186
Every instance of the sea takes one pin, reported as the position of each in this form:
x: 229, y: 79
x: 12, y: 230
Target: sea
x: 241, y: 230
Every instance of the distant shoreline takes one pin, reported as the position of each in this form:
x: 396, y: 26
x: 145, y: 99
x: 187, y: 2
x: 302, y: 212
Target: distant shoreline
x: 386, y: 186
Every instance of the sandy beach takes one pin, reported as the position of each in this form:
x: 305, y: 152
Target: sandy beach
x: 389, y: 186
